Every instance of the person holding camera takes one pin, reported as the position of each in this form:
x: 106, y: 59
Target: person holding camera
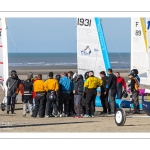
x: 51, y: 86
x: 12, y: 84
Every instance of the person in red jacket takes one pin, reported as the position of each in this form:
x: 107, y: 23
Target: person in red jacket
x: 120, y: 83
x: 34, y: 93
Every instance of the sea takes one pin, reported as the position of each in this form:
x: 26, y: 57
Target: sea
x: 117, y: 60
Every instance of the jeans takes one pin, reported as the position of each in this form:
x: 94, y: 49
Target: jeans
x: 77, y: 104
x: 119, y: 93
x: 112, y: 96
x: 135, y: 99
x: 39, y: 106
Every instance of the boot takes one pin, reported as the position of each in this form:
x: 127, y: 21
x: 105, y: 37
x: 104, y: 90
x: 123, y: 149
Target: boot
x: 12, y: 109
x: 31, y: 109
x: 24, y: 108
x: 8, y: 109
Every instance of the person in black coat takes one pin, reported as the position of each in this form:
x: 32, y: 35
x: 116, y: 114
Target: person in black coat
x: 12, y: 84
x: 78, y: 92
x: 111, y: 90
x: 104, y: 94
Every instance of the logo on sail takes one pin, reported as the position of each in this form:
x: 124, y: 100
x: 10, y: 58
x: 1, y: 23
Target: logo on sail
x: 86, y: 51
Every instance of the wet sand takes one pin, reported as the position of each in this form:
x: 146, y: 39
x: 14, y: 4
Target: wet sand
x: 22, y: 72
x: 15, y: 122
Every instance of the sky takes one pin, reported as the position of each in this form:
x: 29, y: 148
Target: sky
x: 59, y: 34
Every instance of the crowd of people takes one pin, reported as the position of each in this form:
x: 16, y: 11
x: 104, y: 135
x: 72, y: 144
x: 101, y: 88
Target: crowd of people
x: 70, y: 94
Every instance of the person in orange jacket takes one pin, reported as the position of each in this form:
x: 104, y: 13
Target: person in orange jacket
x: 20, y: 89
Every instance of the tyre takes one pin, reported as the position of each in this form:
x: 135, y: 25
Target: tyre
x: 120, y: 117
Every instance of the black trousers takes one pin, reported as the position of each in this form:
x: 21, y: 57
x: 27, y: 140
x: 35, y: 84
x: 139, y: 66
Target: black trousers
x: 84, y: 103
x: 105, y: 104
x: 71, y: 103
x: 77, y: 104
x: 39, y: 106
x: 11, y: 102
x: 64, y: 99
x: 90, y: 101
x: 27, y: 98
x: 135, y: 99
x: 50, y: 105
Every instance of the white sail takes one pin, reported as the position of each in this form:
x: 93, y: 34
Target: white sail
x: 91, y: 47
x: 140, y: 48
x: 3, y: 54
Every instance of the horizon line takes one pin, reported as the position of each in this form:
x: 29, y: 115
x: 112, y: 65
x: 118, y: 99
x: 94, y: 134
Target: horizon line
x: 61, y: 52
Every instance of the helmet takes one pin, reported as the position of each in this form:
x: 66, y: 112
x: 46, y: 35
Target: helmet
x: 74, y: 75
x: 13, y: 73
x: 79, y: 77
x: 52, y: 96
x: 124, y: 94
x: 30, y: 75
x: 86, y: 75
x: 135, y: 71
x: 58, y: 76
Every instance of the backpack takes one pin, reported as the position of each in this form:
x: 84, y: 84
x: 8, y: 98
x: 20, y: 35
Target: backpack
x: 28, y: 85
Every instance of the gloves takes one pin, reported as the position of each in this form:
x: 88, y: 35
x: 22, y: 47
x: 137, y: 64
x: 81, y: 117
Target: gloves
x: 130, y: 96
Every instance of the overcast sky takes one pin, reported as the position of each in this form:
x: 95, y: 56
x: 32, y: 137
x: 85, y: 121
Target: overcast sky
x: 59, y: 34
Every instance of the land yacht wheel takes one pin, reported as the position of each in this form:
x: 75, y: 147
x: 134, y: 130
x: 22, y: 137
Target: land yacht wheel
x: 120, y: 117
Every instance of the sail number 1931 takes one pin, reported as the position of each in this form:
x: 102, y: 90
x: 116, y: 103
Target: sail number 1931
x: 84, y: 22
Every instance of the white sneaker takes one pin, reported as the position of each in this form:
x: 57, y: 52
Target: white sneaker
x: 47, y: 116
x: 60, y: 115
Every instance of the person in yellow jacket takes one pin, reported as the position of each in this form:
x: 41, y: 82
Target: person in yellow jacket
x: 91, y: 85
x: 51, y: 86
x: 39, y: 89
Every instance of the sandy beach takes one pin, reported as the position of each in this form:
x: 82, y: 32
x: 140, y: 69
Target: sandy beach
x: 15, y: 122
x: 22, y: 72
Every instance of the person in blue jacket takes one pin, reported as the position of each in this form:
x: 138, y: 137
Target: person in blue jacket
x: 65, y: 84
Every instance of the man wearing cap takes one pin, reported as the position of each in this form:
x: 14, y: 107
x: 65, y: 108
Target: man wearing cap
x: 134, y: 87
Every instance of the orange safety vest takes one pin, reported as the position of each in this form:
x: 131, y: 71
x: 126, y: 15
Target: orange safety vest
x: 136, y: 84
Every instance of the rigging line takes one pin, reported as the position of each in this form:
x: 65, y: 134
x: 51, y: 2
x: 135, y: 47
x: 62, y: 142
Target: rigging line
x: 118, y: 53
x: 96, y: 59
x: 16, y: 49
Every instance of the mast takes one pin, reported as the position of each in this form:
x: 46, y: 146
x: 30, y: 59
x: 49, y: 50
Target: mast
x: 4, y: 54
